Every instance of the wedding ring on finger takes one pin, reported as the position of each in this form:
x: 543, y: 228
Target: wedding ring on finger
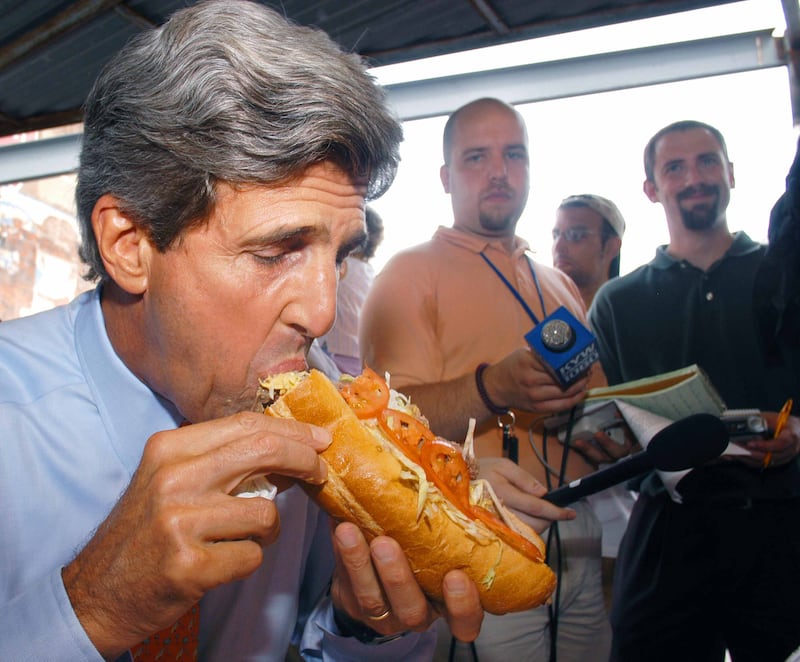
x: 382, y: 616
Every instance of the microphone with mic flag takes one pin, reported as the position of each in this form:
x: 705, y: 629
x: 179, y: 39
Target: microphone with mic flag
x: 685, y: 444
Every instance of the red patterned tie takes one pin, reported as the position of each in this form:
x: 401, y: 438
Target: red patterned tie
x: 177, y: 642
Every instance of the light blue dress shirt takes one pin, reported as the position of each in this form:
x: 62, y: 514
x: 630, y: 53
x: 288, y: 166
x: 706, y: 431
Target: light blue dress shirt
x: 73, y: 423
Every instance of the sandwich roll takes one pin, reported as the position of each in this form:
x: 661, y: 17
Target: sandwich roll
x: 390, y: 475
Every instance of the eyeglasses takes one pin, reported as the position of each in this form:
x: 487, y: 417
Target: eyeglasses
x: 573, y: 235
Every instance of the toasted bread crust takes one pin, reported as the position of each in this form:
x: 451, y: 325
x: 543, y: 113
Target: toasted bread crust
x: 368, y: 486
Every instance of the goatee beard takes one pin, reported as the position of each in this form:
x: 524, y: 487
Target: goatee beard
x: 496, y: 223
x: 700, y: 217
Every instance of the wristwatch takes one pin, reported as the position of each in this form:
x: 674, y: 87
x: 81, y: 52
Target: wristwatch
x: 349, y: 627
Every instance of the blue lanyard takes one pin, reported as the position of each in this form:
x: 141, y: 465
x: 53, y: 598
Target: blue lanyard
x: 514, y: 291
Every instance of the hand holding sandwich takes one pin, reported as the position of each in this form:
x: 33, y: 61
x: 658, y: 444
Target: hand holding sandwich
x: 178, y: 532
x: 389, y: 474
x: 374, y: 584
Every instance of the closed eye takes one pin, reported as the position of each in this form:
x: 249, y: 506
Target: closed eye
x: 277, y: 248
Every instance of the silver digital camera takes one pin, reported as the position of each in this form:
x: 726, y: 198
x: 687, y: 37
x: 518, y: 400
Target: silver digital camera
x: 745, y: 424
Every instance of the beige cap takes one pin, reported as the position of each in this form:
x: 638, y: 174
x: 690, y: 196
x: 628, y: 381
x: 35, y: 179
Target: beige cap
x: 603, y: 206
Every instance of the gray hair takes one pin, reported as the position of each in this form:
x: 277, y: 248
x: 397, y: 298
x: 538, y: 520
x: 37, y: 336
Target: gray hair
x: 225, y: 92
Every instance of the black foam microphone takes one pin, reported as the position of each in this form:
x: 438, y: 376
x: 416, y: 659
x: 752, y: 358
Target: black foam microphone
x: 685, y: 444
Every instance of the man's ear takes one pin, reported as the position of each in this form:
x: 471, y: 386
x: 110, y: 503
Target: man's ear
x: 444, y: 175
x: 613, y: 246
x: 649, y: 188
x: 124, y: 246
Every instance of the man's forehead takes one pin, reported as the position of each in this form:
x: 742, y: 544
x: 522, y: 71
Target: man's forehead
x: 577, y: 215
x: 690, y: 141
x: 486, y: 145
x: 492, y: 120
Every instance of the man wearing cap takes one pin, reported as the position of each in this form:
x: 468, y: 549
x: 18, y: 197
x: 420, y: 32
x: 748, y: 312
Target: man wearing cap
x: 587, y: 238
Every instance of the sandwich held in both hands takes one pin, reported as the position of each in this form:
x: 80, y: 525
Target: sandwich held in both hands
x: 389, y: 474
x: 217, y: 252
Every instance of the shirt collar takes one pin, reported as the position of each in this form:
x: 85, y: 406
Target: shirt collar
x: 476, y: 243
x: 130, y: 411
x: 742, y: 245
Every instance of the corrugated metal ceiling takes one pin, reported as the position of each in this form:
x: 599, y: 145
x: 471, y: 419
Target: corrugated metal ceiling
x: 51, y: 50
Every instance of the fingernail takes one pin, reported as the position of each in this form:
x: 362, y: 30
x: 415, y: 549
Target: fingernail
x: 455, y: 583
x: 383, y: 551
x: 323, y: 474
x: 321, y: 436
x: 346, y: 535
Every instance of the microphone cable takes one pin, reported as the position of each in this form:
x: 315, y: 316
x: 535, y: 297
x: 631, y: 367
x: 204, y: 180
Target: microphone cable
x: 553, y: 538
x: 550, y: 470
x: 554, y: 535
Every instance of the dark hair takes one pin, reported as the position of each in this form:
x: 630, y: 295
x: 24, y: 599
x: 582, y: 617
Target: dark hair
x: 606, y: 233
x: 374, y: 234
x: 225, y: 91
x: 683, y: 125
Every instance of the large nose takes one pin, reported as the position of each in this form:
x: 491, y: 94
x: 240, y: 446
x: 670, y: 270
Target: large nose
x: 314, y: 308
x: 694, y: 174
x: 498, y: 168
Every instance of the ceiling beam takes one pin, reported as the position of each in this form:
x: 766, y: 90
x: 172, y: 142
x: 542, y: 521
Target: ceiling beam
x: 523, y: 84
x: 591, y: 74
x: 791, y: 45
x: 491, y: 16
x: 539, y: 26
x: 134, y: 17
x: 39, y: 158
x: 74, y: 15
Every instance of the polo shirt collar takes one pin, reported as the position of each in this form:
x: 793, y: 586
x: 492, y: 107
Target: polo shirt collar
x: 476, y: 243
x: 742, y: 245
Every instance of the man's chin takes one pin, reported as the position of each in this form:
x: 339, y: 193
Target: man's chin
x: 498, y: 222
x: 700, y: 216
x: 563, y: 265
x: 699, y: 221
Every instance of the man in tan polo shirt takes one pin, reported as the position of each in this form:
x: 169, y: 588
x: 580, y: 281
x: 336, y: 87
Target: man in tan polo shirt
x: 447, y: 320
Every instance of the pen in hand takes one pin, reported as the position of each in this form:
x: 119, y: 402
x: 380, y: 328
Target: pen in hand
x: 783, y: 416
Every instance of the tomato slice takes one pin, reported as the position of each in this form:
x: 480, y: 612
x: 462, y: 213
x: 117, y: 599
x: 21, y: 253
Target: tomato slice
x: 507, y: 534
x: 409, y: 434
x: 448, y: 470
x: 367, y: 394
x: 446, y: 467
x: 368, y: 397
